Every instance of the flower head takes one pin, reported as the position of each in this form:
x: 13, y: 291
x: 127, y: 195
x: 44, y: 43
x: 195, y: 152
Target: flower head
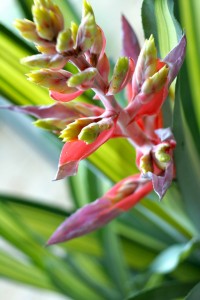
x: 84, y: 129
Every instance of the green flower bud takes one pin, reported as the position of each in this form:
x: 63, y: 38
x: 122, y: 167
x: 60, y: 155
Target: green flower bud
x: 72, y: 130
x: 91, y: 132
x: 54, y: 80
x: 147, y: 61
x: 48, y: 19
x: 55, y: 61
x: 50, y: 49
x: 119, y: 75
x: 82, y: 78
x: 27, y: 30
x: 87, y: 8
x: 51, y: 124
x: 87, y: 30
x: 74, y: 30
x: 156, y: 82
x: 64, y: 41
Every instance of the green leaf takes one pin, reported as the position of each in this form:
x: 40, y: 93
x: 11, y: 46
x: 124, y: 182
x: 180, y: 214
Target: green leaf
x: 16, y: 270
x: 158, y: 19
x: 169, y: 259
x: 189, y: 18
x: 14, y: 84
x: 90, y: 183
x: 62, y: 276
x: 114, y: 259
x: 169, y: 31
x: 186, y: 158
x: 167, y: 291
x: 95, y: 275
x: 194, y: 293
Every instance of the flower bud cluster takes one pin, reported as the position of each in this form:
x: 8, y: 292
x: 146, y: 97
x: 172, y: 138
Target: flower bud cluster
x: 146, y: 80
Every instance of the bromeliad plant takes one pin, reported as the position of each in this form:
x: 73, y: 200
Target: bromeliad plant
x: 85, y: 127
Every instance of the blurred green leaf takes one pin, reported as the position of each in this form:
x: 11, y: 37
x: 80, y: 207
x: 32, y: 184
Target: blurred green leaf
x: 194, y: 293
x: 171, y: 257
x: 186, y: 157
x: 23, y: 272
x: 167, y: 291
x: 189, y: 17
x: 114, y: 259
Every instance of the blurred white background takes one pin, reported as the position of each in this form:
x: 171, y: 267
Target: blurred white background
x: 24, y: 171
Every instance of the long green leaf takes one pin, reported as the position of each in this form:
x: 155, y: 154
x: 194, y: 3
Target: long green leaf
x: 194, y: 293
x: 164, y: 292
x: 64, y: 278
x: 187, y: 159
x: 189, y: 17
x: 114, y: 259
x: 24, y: 273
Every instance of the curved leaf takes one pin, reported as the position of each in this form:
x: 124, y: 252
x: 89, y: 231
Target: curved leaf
x: 164, y: 292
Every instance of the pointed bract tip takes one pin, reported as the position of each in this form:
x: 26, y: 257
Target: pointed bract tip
x: 68, y: 169
x: 87, y: 8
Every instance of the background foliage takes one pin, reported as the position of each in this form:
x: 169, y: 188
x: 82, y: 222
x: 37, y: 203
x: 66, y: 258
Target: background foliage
x: 151, y: 252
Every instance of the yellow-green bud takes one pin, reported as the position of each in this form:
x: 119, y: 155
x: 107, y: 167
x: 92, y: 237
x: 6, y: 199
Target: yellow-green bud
x: 156, y: 82
x: 48, y: 19
x: 87, y: 8
x: 82, y: 78
x: 161, y: 157
x: 87, y: 29
x: 50, y: 124
x: 119, y: 74
x: 55, y: 61
x: 74, y: 30
x: 86, y: 33
x: 54, y: 80
x: 64, y: 41
x: 50, y: 49
x: 146, y: 164
x: 27, y: 29
x: 91, y: 132
x: 72, y: 130
x: 147, y: 61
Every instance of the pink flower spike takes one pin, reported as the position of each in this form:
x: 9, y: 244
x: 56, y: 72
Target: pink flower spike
x: 131, y: 47
x: 85, y: 220
x: 73, y: 152
x: 119, y: 199
x: 64, y: 97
